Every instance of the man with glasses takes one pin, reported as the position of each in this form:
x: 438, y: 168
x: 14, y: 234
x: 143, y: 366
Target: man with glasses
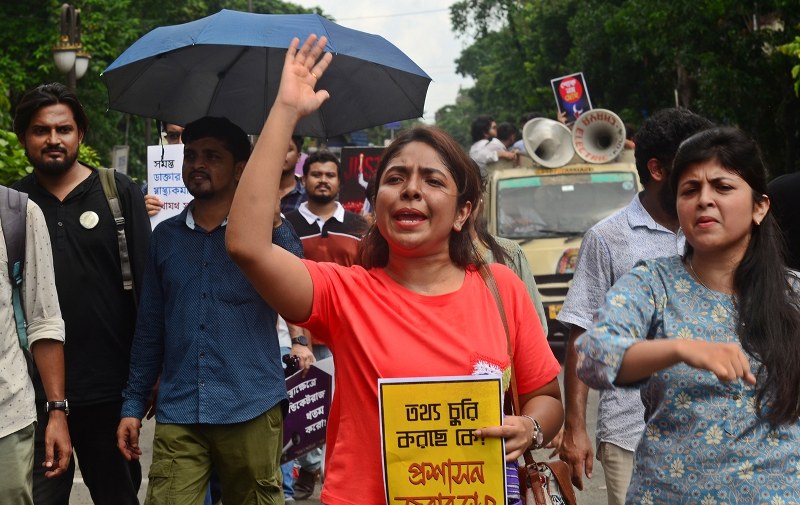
x: 172, y: 134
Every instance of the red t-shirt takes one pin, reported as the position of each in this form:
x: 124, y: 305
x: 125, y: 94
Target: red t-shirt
x: 376, y: 328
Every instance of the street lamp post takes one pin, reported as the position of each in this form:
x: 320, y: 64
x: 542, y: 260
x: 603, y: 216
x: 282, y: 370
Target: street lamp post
x: 68, y: 53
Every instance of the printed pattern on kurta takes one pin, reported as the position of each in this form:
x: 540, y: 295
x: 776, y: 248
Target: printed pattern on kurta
x: 703, y: 443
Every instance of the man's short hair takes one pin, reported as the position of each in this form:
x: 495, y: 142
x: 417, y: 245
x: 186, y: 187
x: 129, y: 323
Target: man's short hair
x: 480, y: 126
x: 221, y: 128
x: 323, y: 156
x: 505, y: 131
x: 660, y: 136
x: 523, y: 119
x: 44, y: 96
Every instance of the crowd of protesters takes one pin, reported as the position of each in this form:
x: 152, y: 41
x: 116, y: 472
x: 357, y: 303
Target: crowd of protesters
x: 682, y: 310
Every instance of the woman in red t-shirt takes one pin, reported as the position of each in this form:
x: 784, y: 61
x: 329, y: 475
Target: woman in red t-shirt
x: 415, y: 306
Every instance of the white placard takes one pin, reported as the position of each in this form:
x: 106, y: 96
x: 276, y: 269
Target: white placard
x: 165, y: 181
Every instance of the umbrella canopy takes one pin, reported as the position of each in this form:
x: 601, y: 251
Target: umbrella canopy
x: 229, y: 64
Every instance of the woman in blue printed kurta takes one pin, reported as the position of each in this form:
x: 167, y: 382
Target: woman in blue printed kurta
x: 712, y: 339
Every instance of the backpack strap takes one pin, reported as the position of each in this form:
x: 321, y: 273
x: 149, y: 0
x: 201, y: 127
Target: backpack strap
x: 13, y: 215
x: 109, y: 183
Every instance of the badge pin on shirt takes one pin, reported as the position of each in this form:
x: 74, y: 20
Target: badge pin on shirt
x: 89, y: 219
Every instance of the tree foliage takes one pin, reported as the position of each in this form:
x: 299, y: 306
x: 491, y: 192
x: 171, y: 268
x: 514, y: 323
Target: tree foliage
x: 512, y: 66
x: 456, y: 119
x: 716, y: 57
x: 108, y: 27
x: 13, y: 163
x: 793, y: 49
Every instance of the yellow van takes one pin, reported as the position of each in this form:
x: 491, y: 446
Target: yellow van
x: 548, y: 210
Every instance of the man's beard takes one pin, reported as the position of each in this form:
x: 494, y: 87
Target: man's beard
x: 201, y: 193
x: 53, y: 167
x: 321, y: 199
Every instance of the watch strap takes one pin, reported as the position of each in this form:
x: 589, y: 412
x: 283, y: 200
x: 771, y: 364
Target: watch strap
x: 57, y: 405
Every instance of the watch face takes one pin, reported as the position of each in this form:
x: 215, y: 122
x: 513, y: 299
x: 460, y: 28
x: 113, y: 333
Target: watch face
x: 57, y: 406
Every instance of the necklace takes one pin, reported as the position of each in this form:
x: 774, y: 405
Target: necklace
x: 715, y: 294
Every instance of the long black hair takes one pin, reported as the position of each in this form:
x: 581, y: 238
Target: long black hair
x: 768, y: 307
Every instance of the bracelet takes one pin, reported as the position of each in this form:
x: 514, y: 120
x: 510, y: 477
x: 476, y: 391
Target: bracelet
x: 537, y: 438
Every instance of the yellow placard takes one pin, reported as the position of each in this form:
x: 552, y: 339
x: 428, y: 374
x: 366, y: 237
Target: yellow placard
x: 430, y: 453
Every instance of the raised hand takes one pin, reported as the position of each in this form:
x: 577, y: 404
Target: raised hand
x: 302, y: 69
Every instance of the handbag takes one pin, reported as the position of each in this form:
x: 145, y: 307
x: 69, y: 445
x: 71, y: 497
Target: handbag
x: 547, y: 483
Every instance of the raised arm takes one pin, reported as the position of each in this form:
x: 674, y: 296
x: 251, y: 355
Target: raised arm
x: 279, y: 277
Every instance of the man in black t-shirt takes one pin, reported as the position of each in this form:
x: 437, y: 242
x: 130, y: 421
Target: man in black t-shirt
x: 99, y: 313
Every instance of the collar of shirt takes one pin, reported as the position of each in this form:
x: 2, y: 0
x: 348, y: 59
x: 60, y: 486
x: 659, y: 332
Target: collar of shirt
x: 309, y: 216
x: 298, y: 186
x: 639, y: 217
x: 190, y: 218
x: 291, y: 200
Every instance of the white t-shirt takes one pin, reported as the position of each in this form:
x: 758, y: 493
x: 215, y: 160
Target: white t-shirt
x: 485, y: 151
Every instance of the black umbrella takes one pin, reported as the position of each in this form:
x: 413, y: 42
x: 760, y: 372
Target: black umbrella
x: 229, y: 64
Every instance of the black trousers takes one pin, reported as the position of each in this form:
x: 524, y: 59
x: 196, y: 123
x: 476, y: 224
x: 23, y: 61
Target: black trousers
x: 110, y: 478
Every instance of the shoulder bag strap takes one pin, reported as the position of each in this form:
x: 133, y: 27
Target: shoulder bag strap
x: 109, y: 184
x: 13, y: 215
x: 491, y: 283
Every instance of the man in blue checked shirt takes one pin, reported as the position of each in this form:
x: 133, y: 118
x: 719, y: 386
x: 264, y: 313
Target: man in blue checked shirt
x: 207, y: 333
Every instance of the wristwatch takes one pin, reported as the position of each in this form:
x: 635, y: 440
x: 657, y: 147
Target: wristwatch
x: 538, y: 435
x: 60, y: 405
x: 301, y: 340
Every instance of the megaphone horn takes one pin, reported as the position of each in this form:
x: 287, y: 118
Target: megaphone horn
x: 548, y: 142
x: 598, y: 136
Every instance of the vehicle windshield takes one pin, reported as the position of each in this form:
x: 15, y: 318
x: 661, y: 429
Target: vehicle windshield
x: 561, y: 204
